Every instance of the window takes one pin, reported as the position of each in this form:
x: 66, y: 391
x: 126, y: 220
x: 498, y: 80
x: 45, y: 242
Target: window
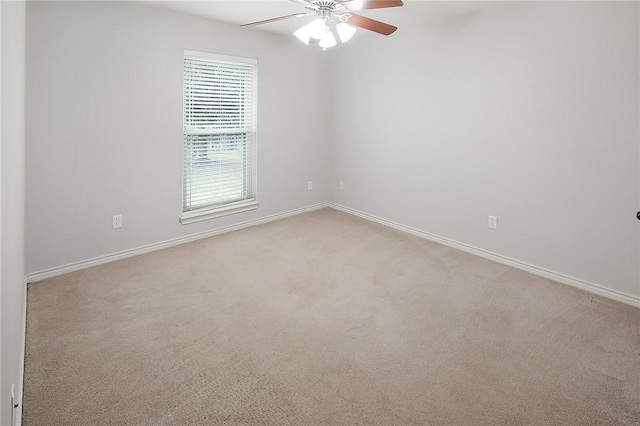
x: 220, y: 115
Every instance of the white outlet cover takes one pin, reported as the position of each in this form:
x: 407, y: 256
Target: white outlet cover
x: 117, y: 221
x: 310, y: 185
x: 493, y: 222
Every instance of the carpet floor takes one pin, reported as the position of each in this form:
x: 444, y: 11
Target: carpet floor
x: 324, y: 319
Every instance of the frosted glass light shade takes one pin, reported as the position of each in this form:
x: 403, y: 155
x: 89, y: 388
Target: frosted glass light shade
x: 303, y: 34
x: 317, y: 28
x: 328, y: 40
x: 345, y: 31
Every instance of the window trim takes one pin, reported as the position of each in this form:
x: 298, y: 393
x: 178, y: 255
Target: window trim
x: 212, y: 212
x: 207, y: 213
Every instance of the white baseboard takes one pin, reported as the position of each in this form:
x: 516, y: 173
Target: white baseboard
x: 536, y: 270
x: 20, y: 390
x: 71, y: 267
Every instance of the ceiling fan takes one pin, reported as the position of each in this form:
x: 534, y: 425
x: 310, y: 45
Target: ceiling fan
x: 336, y: 16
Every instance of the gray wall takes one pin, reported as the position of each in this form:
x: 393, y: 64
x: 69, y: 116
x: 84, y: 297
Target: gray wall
x: 12, y: 288
x: 104, y: 125
x: 526, y: 111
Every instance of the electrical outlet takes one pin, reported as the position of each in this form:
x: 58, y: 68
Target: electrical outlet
x: 117, y: 221
x: 310, y: 185
x: 13, y: 404
x: 493, y: 222
x: 341, y: 185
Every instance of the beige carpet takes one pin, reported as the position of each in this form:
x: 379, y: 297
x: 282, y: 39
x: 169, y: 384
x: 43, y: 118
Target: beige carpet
x: 324, y: 318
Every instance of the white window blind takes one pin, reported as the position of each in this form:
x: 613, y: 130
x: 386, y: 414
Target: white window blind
x: 220, y: 120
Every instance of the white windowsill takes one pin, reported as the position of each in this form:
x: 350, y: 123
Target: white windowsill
x: 212, y: 213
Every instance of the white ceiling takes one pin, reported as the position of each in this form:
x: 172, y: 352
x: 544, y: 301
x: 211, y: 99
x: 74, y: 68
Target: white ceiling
x: 239, y: 12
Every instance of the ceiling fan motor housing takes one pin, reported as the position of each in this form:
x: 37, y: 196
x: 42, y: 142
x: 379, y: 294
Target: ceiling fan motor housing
x: 328, y: 8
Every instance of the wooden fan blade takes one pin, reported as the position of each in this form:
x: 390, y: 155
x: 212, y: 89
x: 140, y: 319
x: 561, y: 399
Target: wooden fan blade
x: 371, y: 4
x: 280, y: 18
x: 371, y: 24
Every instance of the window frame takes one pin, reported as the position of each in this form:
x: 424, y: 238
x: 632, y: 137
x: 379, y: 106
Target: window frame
x: 225, y: 208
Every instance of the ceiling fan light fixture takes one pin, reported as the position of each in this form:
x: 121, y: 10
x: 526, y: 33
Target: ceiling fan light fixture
x: 317, y: 28
x: 328, y: 40
x: 345, y: 31
x: 334, y: 20
x: 303, y: 34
